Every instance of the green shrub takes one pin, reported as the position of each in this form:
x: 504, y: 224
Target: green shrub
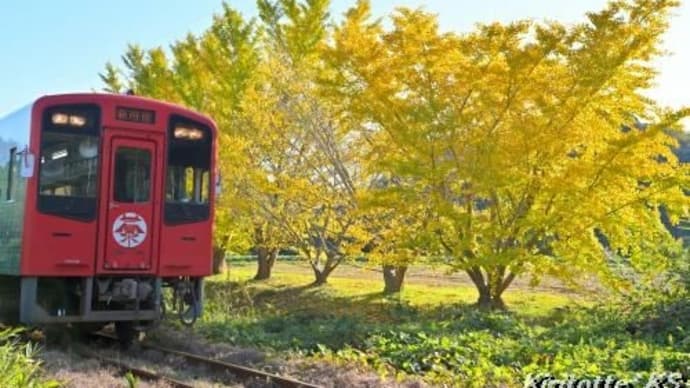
x: 18, y: 366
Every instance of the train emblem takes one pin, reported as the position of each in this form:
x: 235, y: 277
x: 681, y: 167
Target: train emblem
x: 129, y: 230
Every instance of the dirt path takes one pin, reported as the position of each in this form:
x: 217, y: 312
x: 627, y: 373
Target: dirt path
x: 426, y: 275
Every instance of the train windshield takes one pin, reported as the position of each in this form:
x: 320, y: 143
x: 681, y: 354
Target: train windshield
x: 68, y: 171
x: 188, y: 175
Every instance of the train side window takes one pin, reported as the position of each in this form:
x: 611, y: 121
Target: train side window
x: 187, y: 185
x: 132, y: 175
x: 12, y: 166
x: 68, y: 161
x: 188, y: 178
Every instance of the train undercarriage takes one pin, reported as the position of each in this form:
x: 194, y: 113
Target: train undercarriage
x: 132, y: 303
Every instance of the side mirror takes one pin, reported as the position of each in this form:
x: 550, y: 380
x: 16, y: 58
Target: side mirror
x: 26, y: 169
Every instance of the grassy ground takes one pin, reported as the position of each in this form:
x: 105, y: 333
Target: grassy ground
x: 431, y: 330
x: 356, y: 290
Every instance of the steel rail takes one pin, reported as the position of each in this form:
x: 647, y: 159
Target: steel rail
x: 237, y: 370
x: 240, y: 371
x: 141, y: 373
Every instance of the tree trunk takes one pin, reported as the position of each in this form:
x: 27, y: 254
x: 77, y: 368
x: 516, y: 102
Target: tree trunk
x: 321, y: 277
x: 265, y: 259
x: 219, y: 264
x: 490, y: 291
x: 393, y: 278
x: 487, y: 301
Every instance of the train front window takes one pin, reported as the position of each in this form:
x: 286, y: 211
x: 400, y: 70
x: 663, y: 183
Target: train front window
x: 188, y: 178
x: 132, y: 175
x: 68, y: 171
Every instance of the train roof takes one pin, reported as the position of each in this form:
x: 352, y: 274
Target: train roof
x: 126, y: 99
x: 20, y: 118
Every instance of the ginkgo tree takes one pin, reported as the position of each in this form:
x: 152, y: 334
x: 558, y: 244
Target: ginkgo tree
x: 514, y: 149
x: 290, y: 177
x: 310, y: 168
x: 524, y: 139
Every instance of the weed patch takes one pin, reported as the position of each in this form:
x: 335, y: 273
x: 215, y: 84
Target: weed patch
x: 435, y: 333
x: 18, y: 365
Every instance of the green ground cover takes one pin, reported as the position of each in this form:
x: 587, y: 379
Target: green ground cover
x: 431, y: 330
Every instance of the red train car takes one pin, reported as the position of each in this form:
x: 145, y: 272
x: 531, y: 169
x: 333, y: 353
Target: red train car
x: 105, y: 202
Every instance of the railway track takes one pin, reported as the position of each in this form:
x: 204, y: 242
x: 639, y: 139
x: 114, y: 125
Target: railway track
x: 222, y: 368
x: 125, y: 367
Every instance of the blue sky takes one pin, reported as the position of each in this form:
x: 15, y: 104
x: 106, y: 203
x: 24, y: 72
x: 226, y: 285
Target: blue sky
x: 61, y: 46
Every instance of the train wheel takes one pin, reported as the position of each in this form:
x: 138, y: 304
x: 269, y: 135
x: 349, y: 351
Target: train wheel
x: 82, y: 331
x: 126, y: 333
x: 144, y: 326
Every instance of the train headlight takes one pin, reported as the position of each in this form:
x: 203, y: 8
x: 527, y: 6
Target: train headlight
x: 77, y: 121
x: 60, y: 119
x: 68, y: 119
x: 188, y: 133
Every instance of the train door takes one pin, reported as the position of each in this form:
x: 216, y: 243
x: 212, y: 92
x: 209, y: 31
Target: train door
x: 128, y: 202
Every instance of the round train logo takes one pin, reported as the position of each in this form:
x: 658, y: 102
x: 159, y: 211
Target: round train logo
x: 129, y: 230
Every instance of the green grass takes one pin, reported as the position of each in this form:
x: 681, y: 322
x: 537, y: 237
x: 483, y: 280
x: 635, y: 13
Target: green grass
x: 355, y: 285
x: 18, y: 365
x: 431, y: 330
